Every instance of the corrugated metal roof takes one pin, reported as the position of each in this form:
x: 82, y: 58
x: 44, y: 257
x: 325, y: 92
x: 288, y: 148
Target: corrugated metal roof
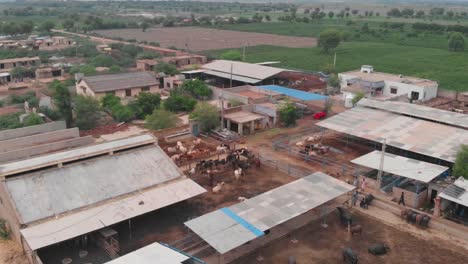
x: 24, y: 59
x: 243, y: 69
x: 150, y: 254
x: 267, y: 210
x: 429, y: 113
x: 403, y: 132
x: 461, y: 199
x: 235, y: 77
x: 401, y: 166
x: 121, y: 81
x: 114, y: 211
x: 70, y: 155
x: 298, y: 94
x: 43, y: 194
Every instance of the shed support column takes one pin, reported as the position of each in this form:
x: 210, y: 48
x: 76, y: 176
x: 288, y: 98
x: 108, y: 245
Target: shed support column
x: 240, y: 128
x: 228, y: 124
x: 130, y: 229
x: 252, y: 127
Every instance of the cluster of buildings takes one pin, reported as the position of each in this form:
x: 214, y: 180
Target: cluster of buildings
x: 35, y: 42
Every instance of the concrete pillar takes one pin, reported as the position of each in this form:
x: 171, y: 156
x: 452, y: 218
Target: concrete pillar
x: 240, y: 129
x: 252, y: 127
x: 228, y: 124
x: 437, y: 206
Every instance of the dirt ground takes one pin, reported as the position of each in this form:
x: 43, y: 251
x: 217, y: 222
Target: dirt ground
x: 11, y: 253
x: 324, y: 245
x: 199, y: 39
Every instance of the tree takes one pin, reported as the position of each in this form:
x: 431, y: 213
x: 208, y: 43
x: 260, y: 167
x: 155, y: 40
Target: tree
x: 109, y: 101
x: 87, y: 112
x: 420, y: 14
x: 207, y: 116
x: 288, y: 114
x: 166, y: 68
x: 329, y: 39
x: 357, y: 97
x: 26, y: 27
x: 62, y: 100
x: 233, y: 55
x: 456, y: 42
x: 145, y: 104
x: 177, y: 102
x: 334, y: 81
x: 47, y: 26
x: 122, y: 113
x: 68, y: 24
x: 267, y: 17
x: 144, y: 26
x: 32, y: 119
x: 197, y: 89
x: 461, y: 163
x: 102, y: 61
x: 331, y: 14
x: 161, y: 119
x: 114, y: 69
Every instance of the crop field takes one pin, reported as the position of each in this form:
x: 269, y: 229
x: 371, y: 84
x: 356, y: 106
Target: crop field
x: 198, y: 39
x: 448, y: 68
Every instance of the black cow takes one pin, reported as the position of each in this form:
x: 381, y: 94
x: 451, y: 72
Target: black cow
x: 349, y: 256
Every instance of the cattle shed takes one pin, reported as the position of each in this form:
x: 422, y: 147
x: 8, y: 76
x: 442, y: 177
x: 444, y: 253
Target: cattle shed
x: 401, y: 175
x: 78, y: 193
x: 255, y: 219
x: 401, y: 132
x: 456, y: 197
x: 161, y: 253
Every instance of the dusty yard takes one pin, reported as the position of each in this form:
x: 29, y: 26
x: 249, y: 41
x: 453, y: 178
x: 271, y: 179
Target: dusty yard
x: 11, y: 253
x: 324, y: 245
x: 198, y: 39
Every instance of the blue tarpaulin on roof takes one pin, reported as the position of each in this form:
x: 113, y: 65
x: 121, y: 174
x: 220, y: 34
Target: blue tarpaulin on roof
x: 298, y: 94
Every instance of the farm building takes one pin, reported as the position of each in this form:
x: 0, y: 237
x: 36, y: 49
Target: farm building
x: 405, y: 128
x: 122, y: 84
x: 182, y: 61
x: 402, y: 175
x: 27, y: 142
x: 9, y: 64
x: 88, y: 196
x: 164, y: 254
x: 248, y: 94
x: 220, y: 73
x: 454, y: 199
x: 241, y: 228
x: 5, y: 77
x: 384, y: 86
x: 46, y: 73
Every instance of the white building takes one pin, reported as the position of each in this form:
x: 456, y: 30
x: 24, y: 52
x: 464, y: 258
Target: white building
x: 385, y: 86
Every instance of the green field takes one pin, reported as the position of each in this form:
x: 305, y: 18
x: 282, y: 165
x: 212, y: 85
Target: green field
x: 448, y: 68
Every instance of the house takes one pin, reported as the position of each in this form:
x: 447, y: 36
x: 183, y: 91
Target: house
x: 46, y: 73
x: 122, y: 85
x: 182, y: 61
x: 146, y: 64
x: 53, y: 43
x: 248, y: 94
x: 5, y: 78
x: 9, y: 64
x: 93, y: 188
x: 224, y: 73
x: 386, y: 86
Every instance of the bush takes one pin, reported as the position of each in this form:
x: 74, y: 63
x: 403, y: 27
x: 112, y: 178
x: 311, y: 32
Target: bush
x: 461, y: 163
x: 177, y: 102
x: 456, y: 42
x: 288, y: 114
x: 357, y: 97
x: 109, y: 101
x: 102, y: 61
x: 207, y: 116
x: 197, y: 89
x: 50, y: 113
x: 87, y: 112
x: 10, y: 121
x: 233, y: 55
x: 145, y: 104
x: 166, y: 68
x: 62, y: 100
x: 122, y: 113
x: 29, y: 97
x: 161, y: 119
x: 32, y: 120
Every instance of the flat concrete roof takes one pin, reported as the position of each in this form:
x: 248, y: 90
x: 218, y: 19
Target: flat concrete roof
x: 113, y: 211
x: 231, y: 227
x: 420, y: 111
x: 401, y: 166
x: 424, y: 137
x: 151, y: 253
x: 51, y: 192
x: 380, y: 76
x: 242, y: 117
